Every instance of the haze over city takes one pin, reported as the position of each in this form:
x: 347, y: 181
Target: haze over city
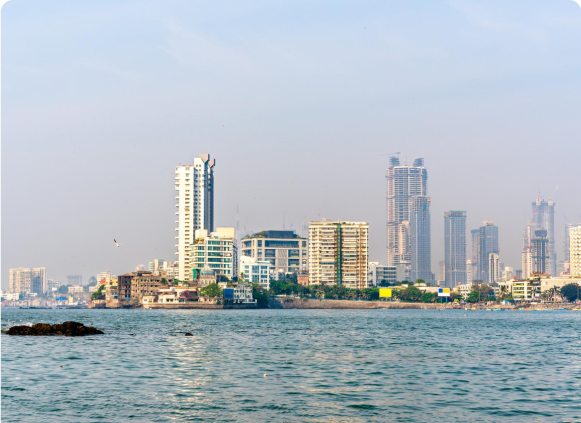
x: 300, y: 104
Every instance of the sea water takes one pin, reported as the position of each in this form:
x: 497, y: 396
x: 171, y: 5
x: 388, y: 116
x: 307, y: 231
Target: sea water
x: 295, y: 366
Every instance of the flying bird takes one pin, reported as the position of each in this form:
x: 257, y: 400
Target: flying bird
x: 116, y: 243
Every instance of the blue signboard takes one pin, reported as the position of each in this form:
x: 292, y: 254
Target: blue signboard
x: 228, y: 293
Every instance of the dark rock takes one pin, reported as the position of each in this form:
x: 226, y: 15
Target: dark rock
x: 65, y: 329
x: 189, y: 334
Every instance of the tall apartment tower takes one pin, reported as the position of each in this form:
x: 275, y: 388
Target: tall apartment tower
x: 540, y: 252
x: 544, y: 219
x: 195, y: 208
x: 408, y: 218
x: 455, y: 247
x: 527, y: 250
x: 338, y: 253
x: 39, y: 280
x: 575, y: 250
x: 20, y: 280
x: 487, y: 238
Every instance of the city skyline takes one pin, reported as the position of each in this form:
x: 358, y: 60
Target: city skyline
x: 92, y: 130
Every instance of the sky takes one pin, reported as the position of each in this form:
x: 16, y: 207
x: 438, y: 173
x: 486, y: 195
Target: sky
x: 299, y: 102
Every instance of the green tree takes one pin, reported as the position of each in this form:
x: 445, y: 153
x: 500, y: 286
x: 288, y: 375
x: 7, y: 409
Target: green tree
x: 570, y: 292
x: 212, y: 290
x: 410, y: 294
x: 473, y: 297
x: 427, y: 297
x: 98, y: 294
x: 260, y: 296
x: 420, y: 281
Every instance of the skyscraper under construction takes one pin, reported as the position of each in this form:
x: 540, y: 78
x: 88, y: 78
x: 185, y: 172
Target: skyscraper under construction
x: 408, y: 219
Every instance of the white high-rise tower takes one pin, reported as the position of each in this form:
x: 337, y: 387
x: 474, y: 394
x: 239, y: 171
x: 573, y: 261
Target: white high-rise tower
x: 195, y: 208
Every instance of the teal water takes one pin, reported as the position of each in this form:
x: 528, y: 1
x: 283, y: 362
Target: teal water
x: 320, y: 366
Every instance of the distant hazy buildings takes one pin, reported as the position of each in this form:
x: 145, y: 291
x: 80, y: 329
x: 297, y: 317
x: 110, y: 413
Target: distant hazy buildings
x: 25, y: 280
x: 455, y: 248
x: 75, y: 279
x: 285, y: 250
x: 105, y: 277
x: 217, y: 251
x: 485, y: 243
x: 195, y: 207
x: 408, y: 218
x: 540, y: 252
x: 575, y: 250
x: 494, y: 269
x: 527, y: 250
x: 544, y: 219
x: 338, y: 253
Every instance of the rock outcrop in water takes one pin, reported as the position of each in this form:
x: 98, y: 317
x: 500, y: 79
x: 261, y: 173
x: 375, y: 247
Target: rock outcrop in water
x: 64, y: 329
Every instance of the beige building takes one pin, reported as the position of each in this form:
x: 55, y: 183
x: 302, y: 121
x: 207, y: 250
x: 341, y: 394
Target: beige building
x: 338, y: 253
x: 285, y: 250
x: 575, y: 250
x: 20, y: 280
x: 134, y: 286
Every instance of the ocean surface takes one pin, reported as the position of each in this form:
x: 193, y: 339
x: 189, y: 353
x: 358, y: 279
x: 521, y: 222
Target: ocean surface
x: 295, y: 366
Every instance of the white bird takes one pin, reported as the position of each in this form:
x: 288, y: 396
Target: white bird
x: 578, y: 2
x: 116, y: 243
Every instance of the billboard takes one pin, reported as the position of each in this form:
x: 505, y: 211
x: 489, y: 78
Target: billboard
x: 443, y: 292
x: 228, y: 293
x: 384, y: 293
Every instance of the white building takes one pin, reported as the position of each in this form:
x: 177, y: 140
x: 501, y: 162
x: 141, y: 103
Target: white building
x: 107, y: 275
x: 76, y: 289
x: 388, y: 275
x: 575, y: 250
x: 507, y: 273
x: 493, y: 268
x: 20, y: 280
x: 195, y: 208
x: 216, y: 251
x: 240, y: 294
x: 256, y: 271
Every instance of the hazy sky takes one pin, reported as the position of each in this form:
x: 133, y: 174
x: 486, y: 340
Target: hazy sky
x: 297, y: 100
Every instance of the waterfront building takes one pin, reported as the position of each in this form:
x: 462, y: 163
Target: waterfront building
x: 485, y: 242
x: 285, y: 250
x: 256, y: 271
x: 575, y: 250
x: 338, y: 253
x: 195, y: 208
x: 134, y: 286
x: 214, y: 250
x: 74, y: 279
x: 540, y: 253
x: 544, y: 219
x: 408, y: 218
x: 381, y: 275
x: 455, y: 248
x: 20, y: 280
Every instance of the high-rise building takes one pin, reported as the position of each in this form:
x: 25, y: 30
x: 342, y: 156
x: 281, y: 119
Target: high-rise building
x: 469, y: 270
x: 39, y: 280
x: 575, y: 250
x: 20, y: 280
x: 455, y: 248
x: 408, y: 218
x: 420, y: 240
x: 527, y: 250
x: 487, y: 244
x: 540, y: 252
x: 285, y: 250
x: 195, y: 207
x: 338, y: 253
x: 544, y: 219
x: 494, y: 272
x: 475, y: 253
x: 564, y: 265
x: 217, y: 251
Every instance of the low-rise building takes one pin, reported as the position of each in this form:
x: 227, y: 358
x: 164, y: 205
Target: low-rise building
x: 526, y: 290
x: 76, y: 289
x: 256, y: 271
x: 285, y: 250
x: 381, y: 275
x: 239, y: 294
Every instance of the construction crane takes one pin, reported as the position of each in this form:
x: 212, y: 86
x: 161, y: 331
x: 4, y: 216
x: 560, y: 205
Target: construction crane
x: 391, y: 154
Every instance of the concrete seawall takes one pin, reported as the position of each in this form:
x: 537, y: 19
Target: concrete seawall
x: 349, y: 304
